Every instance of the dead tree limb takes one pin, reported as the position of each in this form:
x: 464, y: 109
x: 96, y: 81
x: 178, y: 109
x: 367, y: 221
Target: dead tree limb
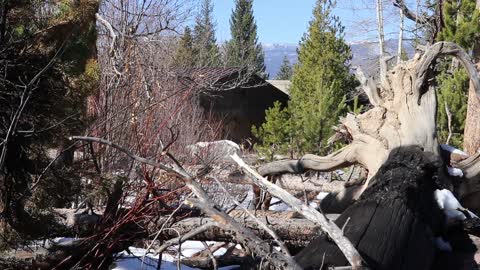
x: 242, y: 234
x: 340, y: 159
x: 449, y: 123
x: 261, y: 224
x: 308, y: 212
x: 444, y: 48
x: 186, y: 236
x: 245, y: 236
x: 421, y: 19
x: 369, y: 87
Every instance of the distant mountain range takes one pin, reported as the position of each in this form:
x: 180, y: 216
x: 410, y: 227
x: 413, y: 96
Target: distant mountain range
x: 365, y: 55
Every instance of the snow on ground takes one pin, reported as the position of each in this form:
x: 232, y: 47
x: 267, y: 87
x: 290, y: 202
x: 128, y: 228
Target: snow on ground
x: 322, y: 195
x: 280, y: 206
x: 140, y: 259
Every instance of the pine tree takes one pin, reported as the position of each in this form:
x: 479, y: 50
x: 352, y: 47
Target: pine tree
x: 204, y: 41
x: 286, y: 70
x: 460, y: 26
x: 243, y: 50
x: 453, y: 91
x: 275, y: 132
x: 319, y: 85
x: 185, y: 55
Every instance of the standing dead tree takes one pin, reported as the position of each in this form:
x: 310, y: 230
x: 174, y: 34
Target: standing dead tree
x: 396, y: 142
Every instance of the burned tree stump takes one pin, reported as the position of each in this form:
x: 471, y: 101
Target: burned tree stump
x: 394, y: 222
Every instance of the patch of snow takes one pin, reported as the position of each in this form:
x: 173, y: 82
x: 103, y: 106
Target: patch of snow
x: 442, y: 245
x: 59, y: 240
x: 322, y: 195
x: 455, y: 172
x: 339, y: 172
x: 278, y: 206
x: 191, y: 247
x: 453, y: 150
x: 134, y: 261
x: 313, y: 204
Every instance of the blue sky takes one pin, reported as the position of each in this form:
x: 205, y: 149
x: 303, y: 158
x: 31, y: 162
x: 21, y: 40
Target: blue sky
x: 285, y: 21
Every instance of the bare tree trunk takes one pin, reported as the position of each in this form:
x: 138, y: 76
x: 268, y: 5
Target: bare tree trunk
x: 471, y: 135
x: 400, y: 37
x: 381, y: 38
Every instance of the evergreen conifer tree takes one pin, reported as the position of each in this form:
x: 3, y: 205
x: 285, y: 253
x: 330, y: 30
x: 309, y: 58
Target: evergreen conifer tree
x: 460, y: 26
x: 204, y: 41
x: 185, y: 55
x: 319, y: 85
x: 286, y: 70
x: 243, y: 50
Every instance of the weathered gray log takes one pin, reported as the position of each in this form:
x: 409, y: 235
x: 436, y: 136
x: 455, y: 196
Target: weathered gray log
x: 287, y: 229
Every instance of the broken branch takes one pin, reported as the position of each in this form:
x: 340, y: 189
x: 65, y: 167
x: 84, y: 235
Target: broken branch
x: 308, y: 212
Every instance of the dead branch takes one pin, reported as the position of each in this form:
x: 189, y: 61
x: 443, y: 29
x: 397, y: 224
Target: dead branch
x: 224, y: 260
x: 449, y: 118
x: 444, y: 48
x: 245, y: 236
x: 421, y: 19
x: 369, y: 87
x: 340, y: 159
x: 292, y: 231
x: 186, y: 236
x: 308, y: 212
x: 261, y: 224
x: 110, y: 30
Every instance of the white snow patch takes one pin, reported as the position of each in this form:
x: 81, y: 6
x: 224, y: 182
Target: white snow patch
x: 455, y: 171
x: 278, y: 206
x: 322, y: 195
x: 313, y: 204
x: 134, y: 261
x: 192, y: 247
x: 453, y: 150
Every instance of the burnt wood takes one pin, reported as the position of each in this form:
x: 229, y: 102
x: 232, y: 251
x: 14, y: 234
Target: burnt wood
x: 394, y: 222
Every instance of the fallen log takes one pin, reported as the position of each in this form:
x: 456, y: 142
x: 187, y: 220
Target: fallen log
x: 295, y: 232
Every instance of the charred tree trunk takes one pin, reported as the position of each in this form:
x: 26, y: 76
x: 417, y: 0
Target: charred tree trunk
x: 394, y: 222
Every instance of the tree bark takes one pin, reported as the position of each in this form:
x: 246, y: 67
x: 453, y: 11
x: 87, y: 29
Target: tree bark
x: 471, y: 135
x: 295, y: 232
